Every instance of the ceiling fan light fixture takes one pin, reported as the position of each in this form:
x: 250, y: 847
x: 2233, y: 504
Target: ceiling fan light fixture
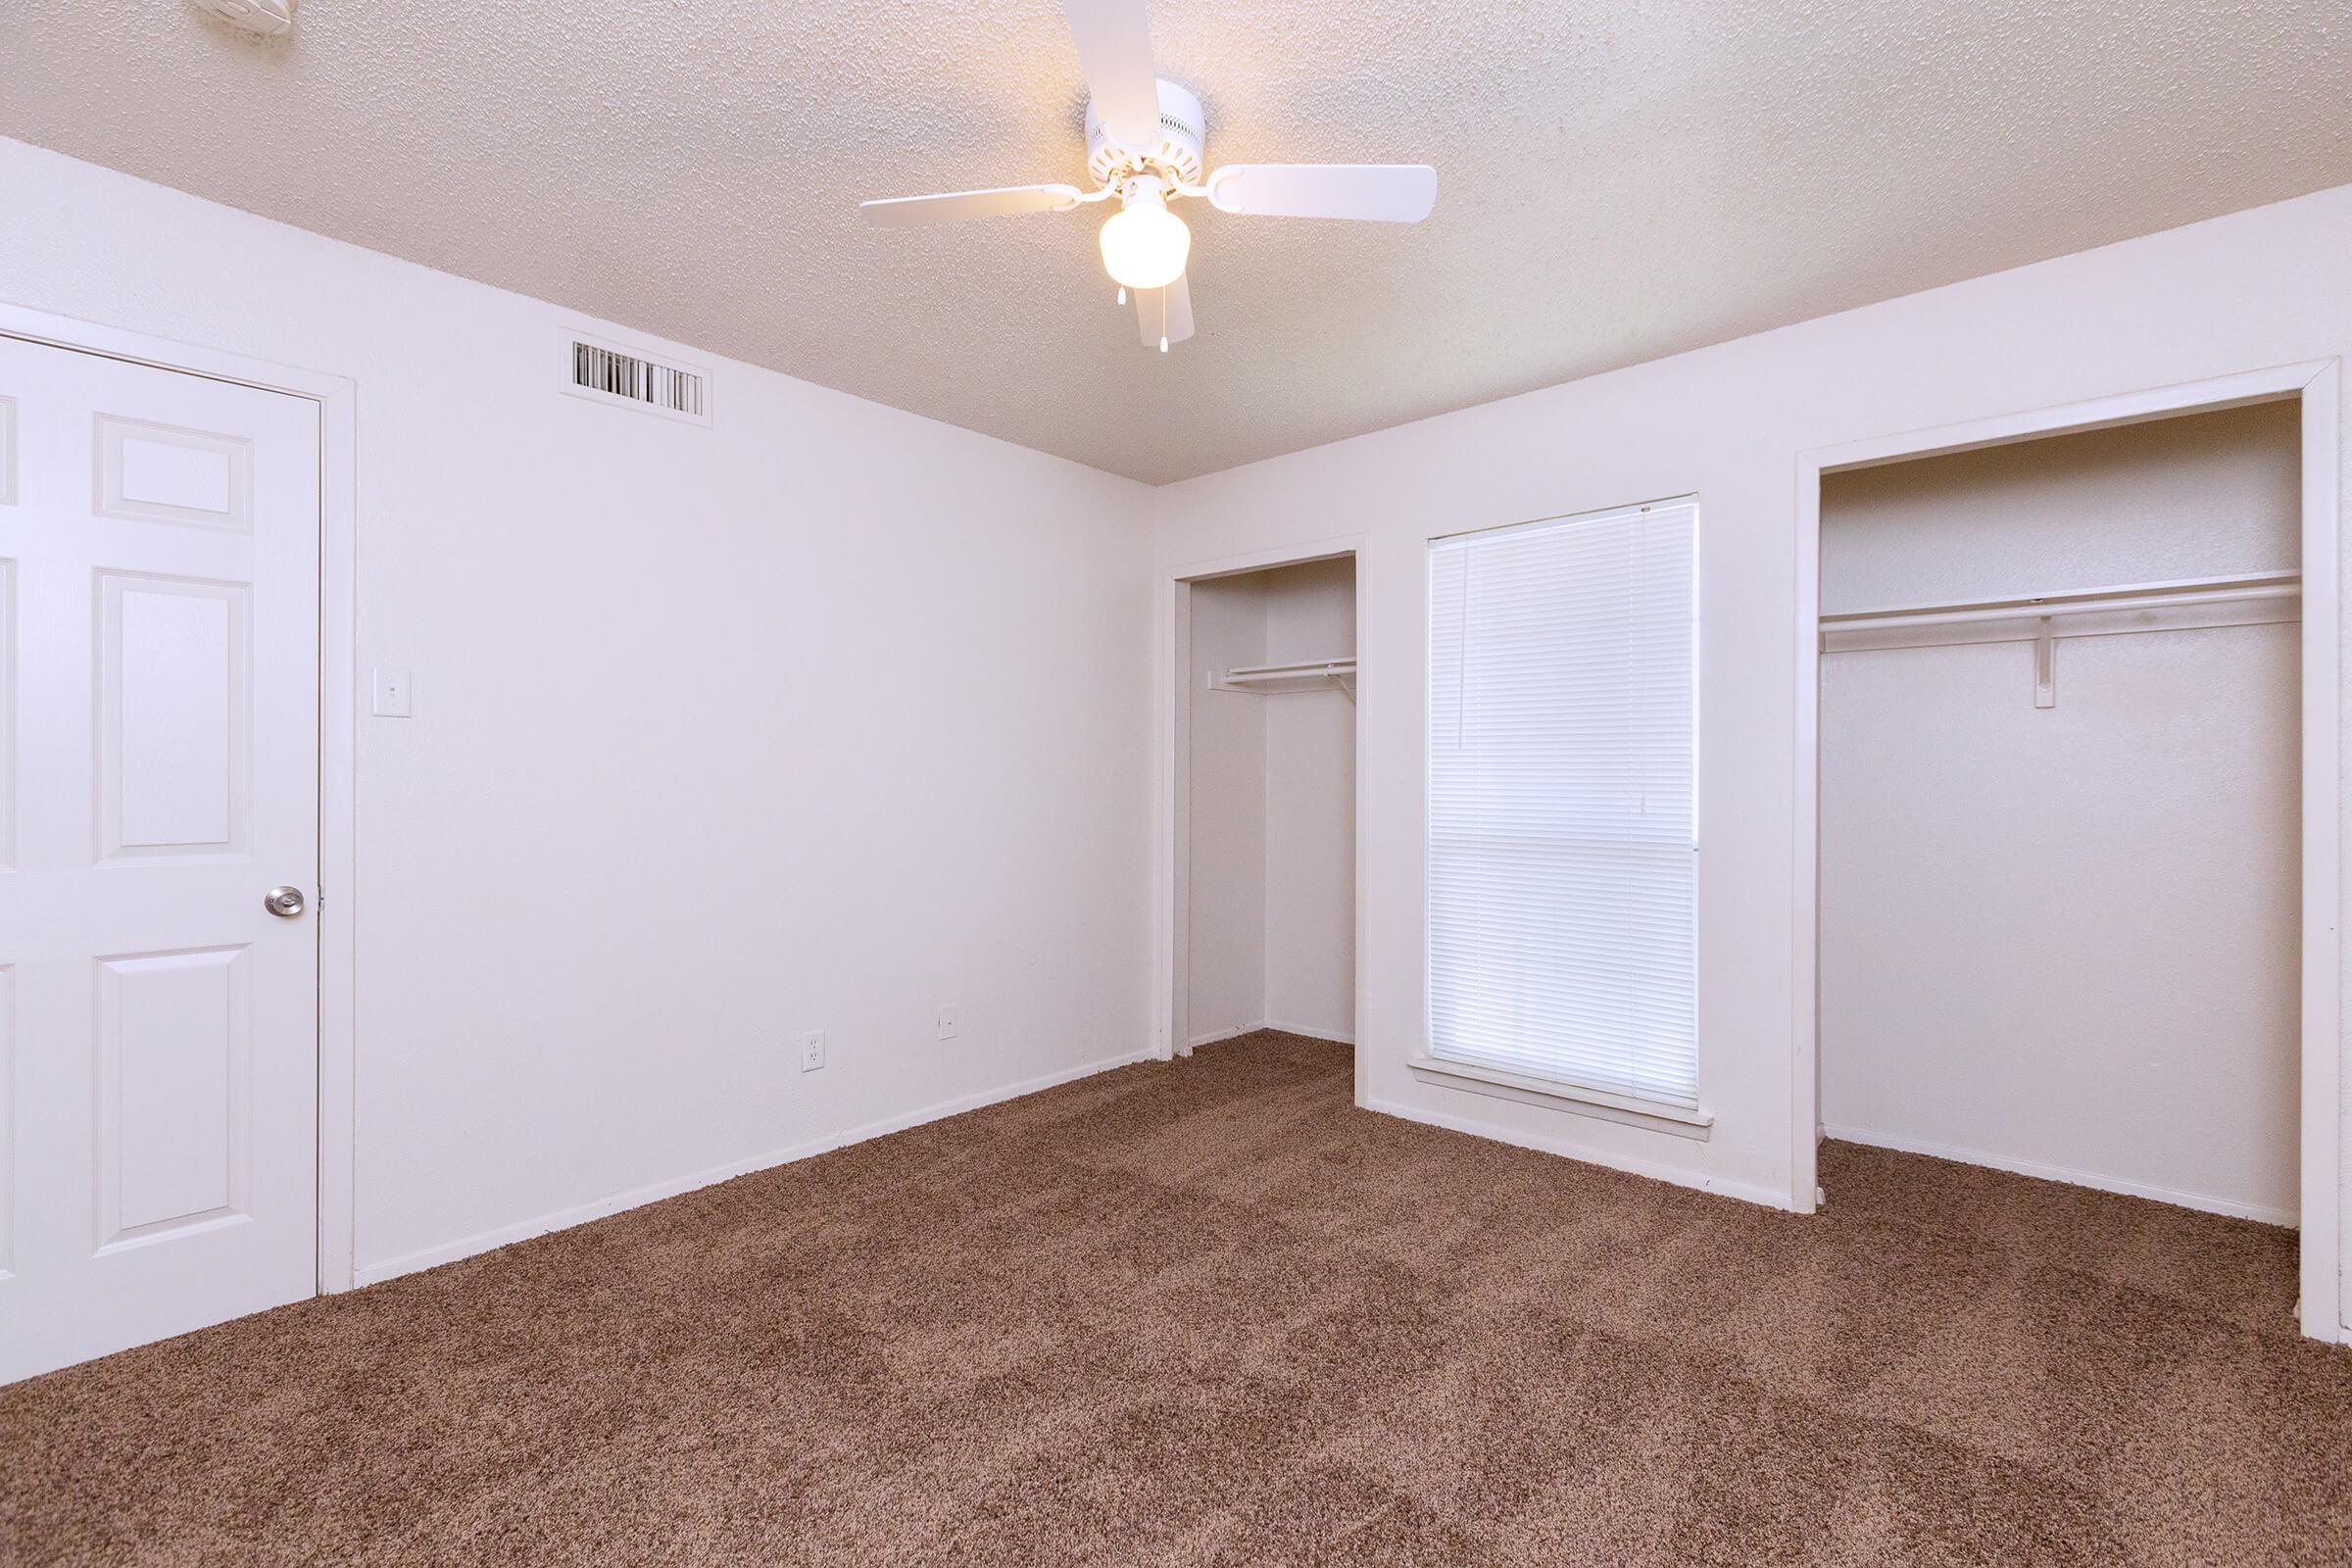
x: 1144, y: 140
x: 1144, y: 244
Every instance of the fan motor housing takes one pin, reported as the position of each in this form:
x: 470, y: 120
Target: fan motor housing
x: 1183, y: 134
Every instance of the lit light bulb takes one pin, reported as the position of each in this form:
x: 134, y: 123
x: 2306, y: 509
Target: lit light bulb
x: 1122, y: 293
x: 1144, y: 244
x: 1163, y: 344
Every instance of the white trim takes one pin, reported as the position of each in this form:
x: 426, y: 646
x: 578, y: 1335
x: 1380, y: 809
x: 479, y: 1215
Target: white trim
x: 1315, y: 1031
x: 2062, y: 1173
x: 338, y: 844
x: 1551, y: 1094
x: 1655, y: 1170
x: 1331, y: 1036
x: 337, y: 881
x: 2267, y: 385
x: 1172, y: 901
x: 1804, y: 1195
x: 2324, y: 1309
x: 2316, y: 384
x: 1171, y: 881
x: 653, y: 1192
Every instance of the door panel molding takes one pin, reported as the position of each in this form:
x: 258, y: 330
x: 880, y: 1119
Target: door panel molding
x: 175, y: 1034
x: 175, y: 684
x: 162, y: 473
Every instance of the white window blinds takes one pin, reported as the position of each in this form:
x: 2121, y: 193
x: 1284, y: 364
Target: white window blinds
x: 1562, y: 752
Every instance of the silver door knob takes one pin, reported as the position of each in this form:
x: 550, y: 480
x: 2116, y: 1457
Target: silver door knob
x: 283, y: 902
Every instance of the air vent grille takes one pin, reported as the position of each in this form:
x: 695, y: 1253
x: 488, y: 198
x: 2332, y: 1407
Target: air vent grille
x: 610, y: 374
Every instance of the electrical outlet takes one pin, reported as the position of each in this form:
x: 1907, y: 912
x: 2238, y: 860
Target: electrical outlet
x: 947, y: 1022
x: 812, y: 1051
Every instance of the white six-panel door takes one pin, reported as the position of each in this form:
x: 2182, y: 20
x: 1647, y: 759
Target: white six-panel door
x: 159, y: 775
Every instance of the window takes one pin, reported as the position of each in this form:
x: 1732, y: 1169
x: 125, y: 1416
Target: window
x: 1562, y: 764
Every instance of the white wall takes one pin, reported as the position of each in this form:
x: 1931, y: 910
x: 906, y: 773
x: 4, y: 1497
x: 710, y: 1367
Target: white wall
x: 2202, y: 495
x: 2259, y: 288
x: 821, y: 717
x: 1311, y: 807
x: 1227, y: 774
x: 2064, y: 939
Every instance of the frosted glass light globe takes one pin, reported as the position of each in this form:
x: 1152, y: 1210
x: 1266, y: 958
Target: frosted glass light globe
x: 1144, y: 244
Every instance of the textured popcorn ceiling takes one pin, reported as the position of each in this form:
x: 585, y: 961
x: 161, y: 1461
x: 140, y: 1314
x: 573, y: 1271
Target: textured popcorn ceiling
x: 1616, y: 181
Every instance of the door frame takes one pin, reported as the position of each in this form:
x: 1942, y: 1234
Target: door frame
x: 1171, y: 875
x: 2313, y: 385
x: 336, y: 875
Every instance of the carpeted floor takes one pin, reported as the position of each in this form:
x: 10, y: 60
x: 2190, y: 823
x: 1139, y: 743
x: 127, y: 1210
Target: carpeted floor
x: 1208, y: 1313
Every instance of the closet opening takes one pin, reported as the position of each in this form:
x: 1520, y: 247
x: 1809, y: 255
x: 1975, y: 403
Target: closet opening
x: 1264, y: 811
x: 2070, y: 686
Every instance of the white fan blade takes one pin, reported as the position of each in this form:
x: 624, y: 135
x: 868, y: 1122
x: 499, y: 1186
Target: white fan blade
x: 1164, y: 313
x: 1385, y: 193
x: 1115, y: 50
x: 904, y: 211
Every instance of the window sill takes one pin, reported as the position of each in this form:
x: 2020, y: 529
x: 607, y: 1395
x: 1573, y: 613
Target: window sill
x: 1554, y: 1095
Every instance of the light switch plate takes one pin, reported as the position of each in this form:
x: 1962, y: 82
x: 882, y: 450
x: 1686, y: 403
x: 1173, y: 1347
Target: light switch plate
x: 946, y: 1023
x: 391, y: 698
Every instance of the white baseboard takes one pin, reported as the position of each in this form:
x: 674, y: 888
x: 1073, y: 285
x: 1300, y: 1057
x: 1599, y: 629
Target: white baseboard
x: 1312, y: 1031
x: 1315, y: 1033
x: 582, y: 1213
x: 1678, y: 1175
x: 2059, y: 1173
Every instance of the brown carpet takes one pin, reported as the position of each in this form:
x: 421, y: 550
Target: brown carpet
x: 1208, y: 1313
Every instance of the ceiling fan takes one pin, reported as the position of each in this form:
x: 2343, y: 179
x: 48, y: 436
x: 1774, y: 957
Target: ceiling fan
x: 1143, y: 138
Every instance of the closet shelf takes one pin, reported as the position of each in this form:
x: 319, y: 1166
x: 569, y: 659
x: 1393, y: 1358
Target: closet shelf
x: 1313, y: 674
x: 2188, y: 603
x: 2183, y: 593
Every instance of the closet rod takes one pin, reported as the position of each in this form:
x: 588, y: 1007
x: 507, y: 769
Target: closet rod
x: 2141, y: 596
x: 1264, y: 679
x: 1304, y: 667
